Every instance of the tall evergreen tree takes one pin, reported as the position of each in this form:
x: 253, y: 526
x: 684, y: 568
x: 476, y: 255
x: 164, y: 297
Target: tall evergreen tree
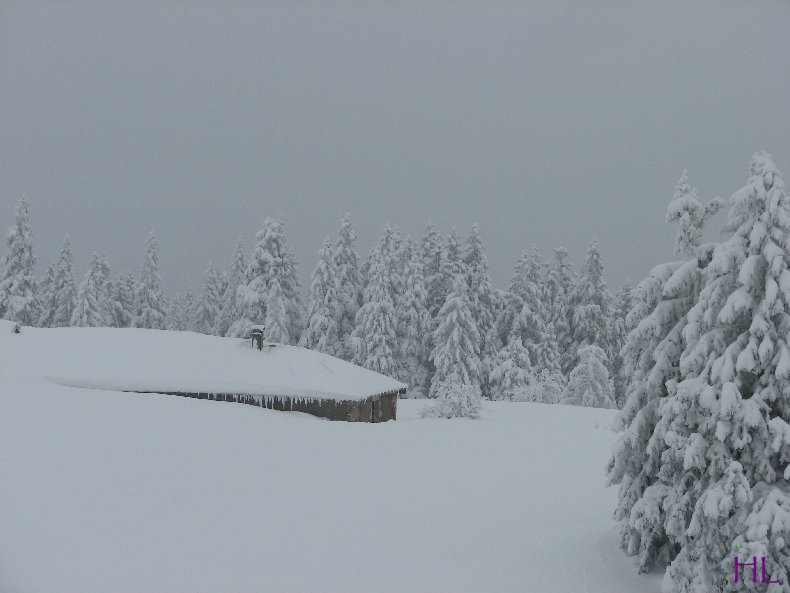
x: 724, y: 474
x: 591, y: 313
x: 431, y: 248
x: 480, y: 299
x: 210, y: 305
x: 560, y: 303
x: 18, y: 286
x: 349, y: 285
x: 237, y: 277
x: 46, y: 296
x: 374, y: 339
x: 276, y: 322
x: 149, y: 299
x: 451, y: 266
x: 64, y: 289
x: 272, y: 259
x: 123, y: 302
x: 589, y: 383
x: 512, y: 376
x: 651, y: 362
x: 90, y: 310
x: 618, y: 330
x: 414, y: 324
x: 456, y: 357
x: 324, y: 306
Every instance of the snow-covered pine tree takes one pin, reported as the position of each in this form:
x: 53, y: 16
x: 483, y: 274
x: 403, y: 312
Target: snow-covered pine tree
x: 451, y: 266
x: 63, y: 289
x: 277, y: 319
x: 271, y: 259
x: 106, y: 288
x: 593, y: 301
x: 374, y: 339
x: 476, y: 266
x: 18, y: 286
x: 237, y: 277
x: 529, y: 315
x: 559, y: 298
x: 123, y: 309
x: 511, y: 375
x: 349, y: 285
x: 651, y: 361
x: 210, y: 304
x: 550, y: 387
x: 456, y: 358
x: 46, y: 296
x: 90, y: 309
x: 589, y: 383
x: 431, y: 250
x: 149, y: 301
x: 726, y: 423
x: 618, y: 330
x: 414, y: 324
x: 457, y: 351
x: 324, y: 307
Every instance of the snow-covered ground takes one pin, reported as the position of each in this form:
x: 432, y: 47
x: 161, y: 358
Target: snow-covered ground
x: 102, y: 491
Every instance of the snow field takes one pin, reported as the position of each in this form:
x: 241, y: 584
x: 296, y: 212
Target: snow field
x: 106, y: 491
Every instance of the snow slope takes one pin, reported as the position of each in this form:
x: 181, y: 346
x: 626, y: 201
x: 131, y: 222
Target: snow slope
x: 104, y: 491
x: 150, y: 360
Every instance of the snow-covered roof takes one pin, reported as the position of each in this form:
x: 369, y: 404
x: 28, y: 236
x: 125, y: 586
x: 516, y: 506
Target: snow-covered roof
x: 170, y: 361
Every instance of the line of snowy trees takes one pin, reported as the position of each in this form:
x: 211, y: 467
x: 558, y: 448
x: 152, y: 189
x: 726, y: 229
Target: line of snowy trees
x: 423, y: 311
x: 703, y: 462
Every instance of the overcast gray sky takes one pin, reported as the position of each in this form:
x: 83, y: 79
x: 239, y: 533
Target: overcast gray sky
x: 546, y: 122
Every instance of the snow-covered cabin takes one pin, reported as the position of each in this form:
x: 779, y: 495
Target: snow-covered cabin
x: 207, y: 367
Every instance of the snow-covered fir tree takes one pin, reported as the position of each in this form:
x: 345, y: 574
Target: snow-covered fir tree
x: 276, y: 322
x: 690, y: 215
x: 324, y: 306
x: 149, y: 300
x: 271, y: 259
x: 725, y: 474
x: 559, y: 290
x: 530, y: 314
x: 456, y: 356
x: 651, y: 362
x: 46, y: 305
x: 480, y: 299
x: 237, y: 277
x: 63, y: 289
x: 593, y: 301
x: 123, y: 301
x: 414, y: 324
x: 349, y: 285
x: 18, y: 285
x: 90, y: 309
x: 431, y: 249
x: 589, y: 383
x: 451, y: 266
x: 511, y: 375
x: 618, y: 330
x: 550, y: 387
x: 106, y: 288
x: 210, y: 304
x: 374, y: 339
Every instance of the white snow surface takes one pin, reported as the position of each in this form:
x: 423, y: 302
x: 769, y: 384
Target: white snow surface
x: 171, y: 361
x: 103, y: 491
